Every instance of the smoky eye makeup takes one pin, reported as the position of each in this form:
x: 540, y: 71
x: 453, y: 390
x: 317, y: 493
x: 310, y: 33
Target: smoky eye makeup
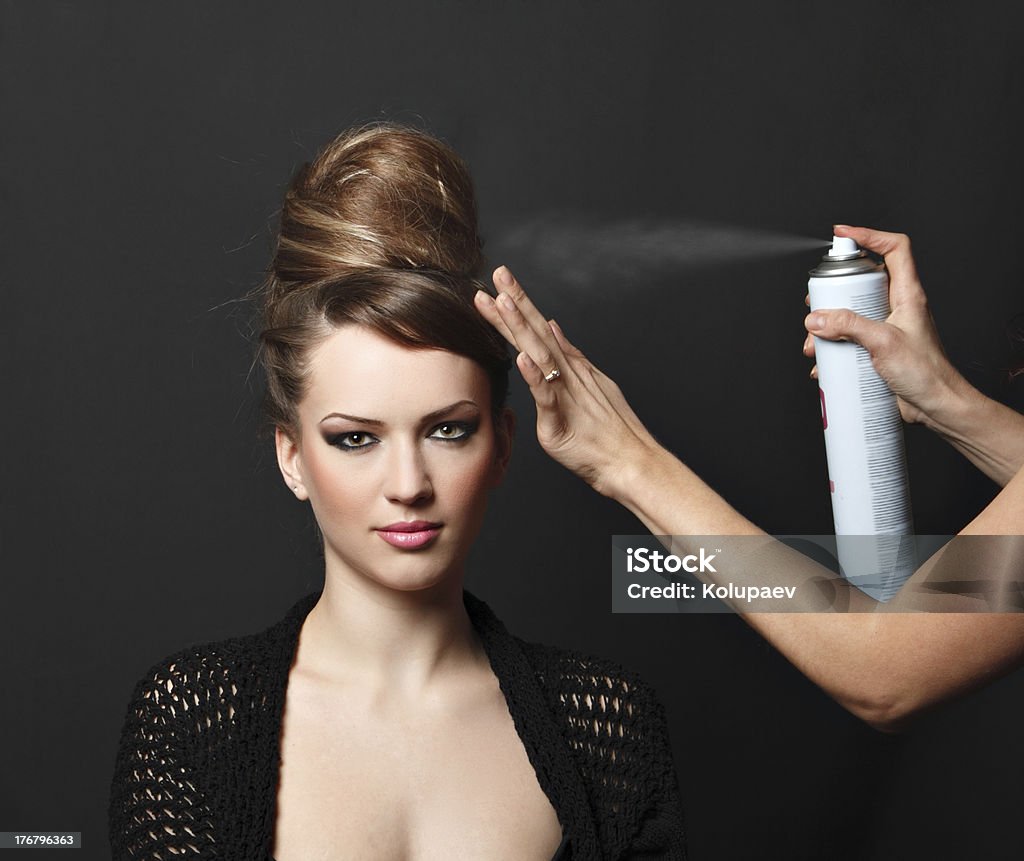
x: 450, y: 431
x: 455, y: 430
x: 351, y: 440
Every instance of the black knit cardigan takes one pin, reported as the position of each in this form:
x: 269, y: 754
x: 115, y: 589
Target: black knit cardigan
x: 197, y: 766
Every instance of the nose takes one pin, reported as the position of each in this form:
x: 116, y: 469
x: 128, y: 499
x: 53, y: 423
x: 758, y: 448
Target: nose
x: 407, y: 480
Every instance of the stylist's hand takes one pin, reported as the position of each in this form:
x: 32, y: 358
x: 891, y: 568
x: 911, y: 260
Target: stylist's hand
x: 905, y: 349
x: 583, y: 421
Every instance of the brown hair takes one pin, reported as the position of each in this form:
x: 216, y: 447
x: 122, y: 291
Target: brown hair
x: 378, y: 230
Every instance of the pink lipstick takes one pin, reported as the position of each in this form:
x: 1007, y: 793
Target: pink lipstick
x: 410, y: 535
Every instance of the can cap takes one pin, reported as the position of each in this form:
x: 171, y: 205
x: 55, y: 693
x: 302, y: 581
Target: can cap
x: 845, y: 258
x: 842, y: 246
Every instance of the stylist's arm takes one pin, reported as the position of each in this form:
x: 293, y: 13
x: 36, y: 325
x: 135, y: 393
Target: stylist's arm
x: 886, y: 666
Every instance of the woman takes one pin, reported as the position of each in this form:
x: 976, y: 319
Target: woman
x: 391, y: 716
x: 885, y: 666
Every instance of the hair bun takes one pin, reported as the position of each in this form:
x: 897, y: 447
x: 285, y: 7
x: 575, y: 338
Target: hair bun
x: 381, y: 196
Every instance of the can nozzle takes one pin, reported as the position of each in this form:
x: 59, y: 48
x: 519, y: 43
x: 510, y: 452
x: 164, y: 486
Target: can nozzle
x: 842, y: 246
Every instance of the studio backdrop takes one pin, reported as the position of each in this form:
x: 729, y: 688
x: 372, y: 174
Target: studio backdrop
x: 660, y: 177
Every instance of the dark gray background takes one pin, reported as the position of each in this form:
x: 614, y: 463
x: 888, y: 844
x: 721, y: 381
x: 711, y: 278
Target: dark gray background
x: 144, y: 151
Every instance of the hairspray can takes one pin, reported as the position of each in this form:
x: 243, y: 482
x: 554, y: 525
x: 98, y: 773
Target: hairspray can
x: 867, y: 465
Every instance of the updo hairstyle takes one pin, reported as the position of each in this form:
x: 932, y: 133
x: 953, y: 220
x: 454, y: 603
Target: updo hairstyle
x: 378, y: 230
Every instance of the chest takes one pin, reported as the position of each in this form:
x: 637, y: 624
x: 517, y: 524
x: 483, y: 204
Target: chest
x: 407, y: 785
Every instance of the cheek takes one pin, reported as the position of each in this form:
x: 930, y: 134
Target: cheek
x: 470, y: 479
x: 341, y: 483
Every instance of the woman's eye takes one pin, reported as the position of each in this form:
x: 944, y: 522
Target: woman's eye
x: 352, y: 440
x: 452, y: 431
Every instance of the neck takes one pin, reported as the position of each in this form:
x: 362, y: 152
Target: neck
x: 380, y: 637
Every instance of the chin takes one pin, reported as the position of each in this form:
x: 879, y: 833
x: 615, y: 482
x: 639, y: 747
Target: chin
x: 411, y: 572
x: 410, y: 580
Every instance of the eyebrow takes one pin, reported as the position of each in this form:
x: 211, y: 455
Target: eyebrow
x: 436, y: 414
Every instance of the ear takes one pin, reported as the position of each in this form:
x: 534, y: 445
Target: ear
x: 504, y: 432
x: 289, y: 461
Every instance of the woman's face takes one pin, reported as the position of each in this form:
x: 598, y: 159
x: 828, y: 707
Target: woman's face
x: 398, y: 453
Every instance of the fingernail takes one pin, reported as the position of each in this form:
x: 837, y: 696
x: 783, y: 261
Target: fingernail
x: 504, y: 276
x: 486, y: 297
x: 507, y: 302
x: 815, y: 321
x: 840, y: 227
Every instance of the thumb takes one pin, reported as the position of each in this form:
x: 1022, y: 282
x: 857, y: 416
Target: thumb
x: 842, y: 324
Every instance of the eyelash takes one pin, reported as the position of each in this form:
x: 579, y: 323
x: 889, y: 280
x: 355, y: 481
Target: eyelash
x: 467, y: 430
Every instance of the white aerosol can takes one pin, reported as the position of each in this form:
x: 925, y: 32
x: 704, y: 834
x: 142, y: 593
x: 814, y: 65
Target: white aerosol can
x: 867, y: 464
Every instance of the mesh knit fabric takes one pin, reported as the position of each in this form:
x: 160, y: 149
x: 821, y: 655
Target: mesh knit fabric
x: 197, y: 766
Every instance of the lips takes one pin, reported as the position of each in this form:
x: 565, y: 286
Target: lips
x: 411, y: 534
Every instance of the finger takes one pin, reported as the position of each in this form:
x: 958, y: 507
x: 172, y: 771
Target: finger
x: 814, y: 372
x: 808, y: 348
x: 845, y: 325
x: 807, y: 300
x: 563, y: 342
x: 545, y: 353
x: 485, y: 305
x: 506, y: 284
x: 545, y: 395
x: 894, y: 247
